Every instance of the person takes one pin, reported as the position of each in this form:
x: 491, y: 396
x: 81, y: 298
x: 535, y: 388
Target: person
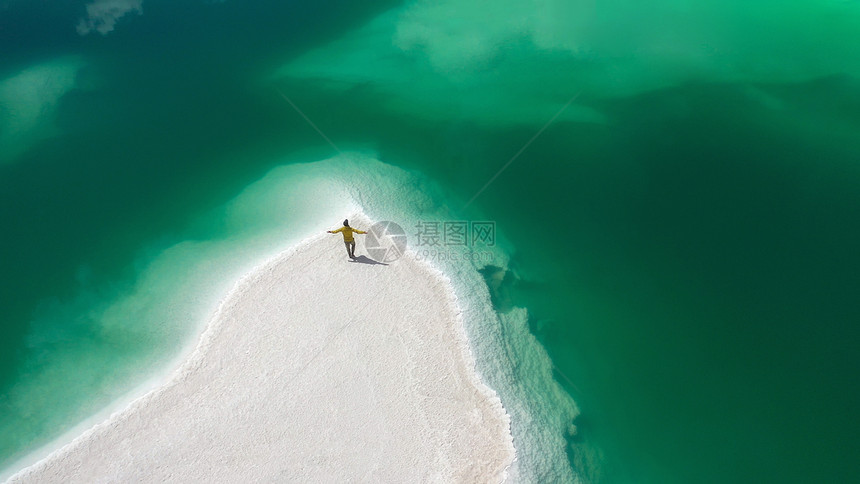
x: 348, y: 239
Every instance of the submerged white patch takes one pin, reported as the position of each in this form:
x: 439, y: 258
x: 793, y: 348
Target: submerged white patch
x: 633, y: 46
x: 474, y: 82
x: 102, y: 15
x: 514, y: 61
x: 28, y: 100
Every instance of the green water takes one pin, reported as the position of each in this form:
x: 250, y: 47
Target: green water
x: 684, y: 235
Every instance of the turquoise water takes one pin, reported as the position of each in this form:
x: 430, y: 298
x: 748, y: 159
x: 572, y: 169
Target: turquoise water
x: 683, y: 234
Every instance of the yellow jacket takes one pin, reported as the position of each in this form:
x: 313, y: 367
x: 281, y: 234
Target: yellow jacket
x: 347, y: 233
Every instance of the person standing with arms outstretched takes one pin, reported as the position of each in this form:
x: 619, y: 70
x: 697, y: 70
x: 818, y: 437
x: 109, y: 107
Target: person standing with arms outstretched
x: 348, y: 239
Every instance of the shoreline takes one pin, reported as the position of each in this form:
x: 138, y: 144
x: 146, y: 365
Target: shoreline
x: 483, y: 404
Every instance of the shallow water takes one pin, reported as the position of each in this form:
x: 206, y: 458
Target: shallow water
x: 683, y: 234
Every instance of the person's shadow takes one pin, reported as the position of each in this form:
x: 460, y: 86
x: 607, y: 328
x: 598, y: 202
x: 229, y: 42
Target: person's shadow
x: 363, y: 259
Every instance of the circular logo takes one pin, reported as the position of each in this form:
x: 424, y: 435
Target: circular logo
x: 386, y: 241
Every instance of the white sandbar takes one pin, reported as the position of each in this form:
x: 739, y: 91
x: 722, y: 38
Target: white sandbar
x: 314, y: 369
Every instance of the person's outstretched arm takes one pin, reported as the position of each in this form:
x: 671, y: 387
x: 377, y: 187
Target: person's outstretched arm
x: 335, y: 231
x: 359, y: 231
